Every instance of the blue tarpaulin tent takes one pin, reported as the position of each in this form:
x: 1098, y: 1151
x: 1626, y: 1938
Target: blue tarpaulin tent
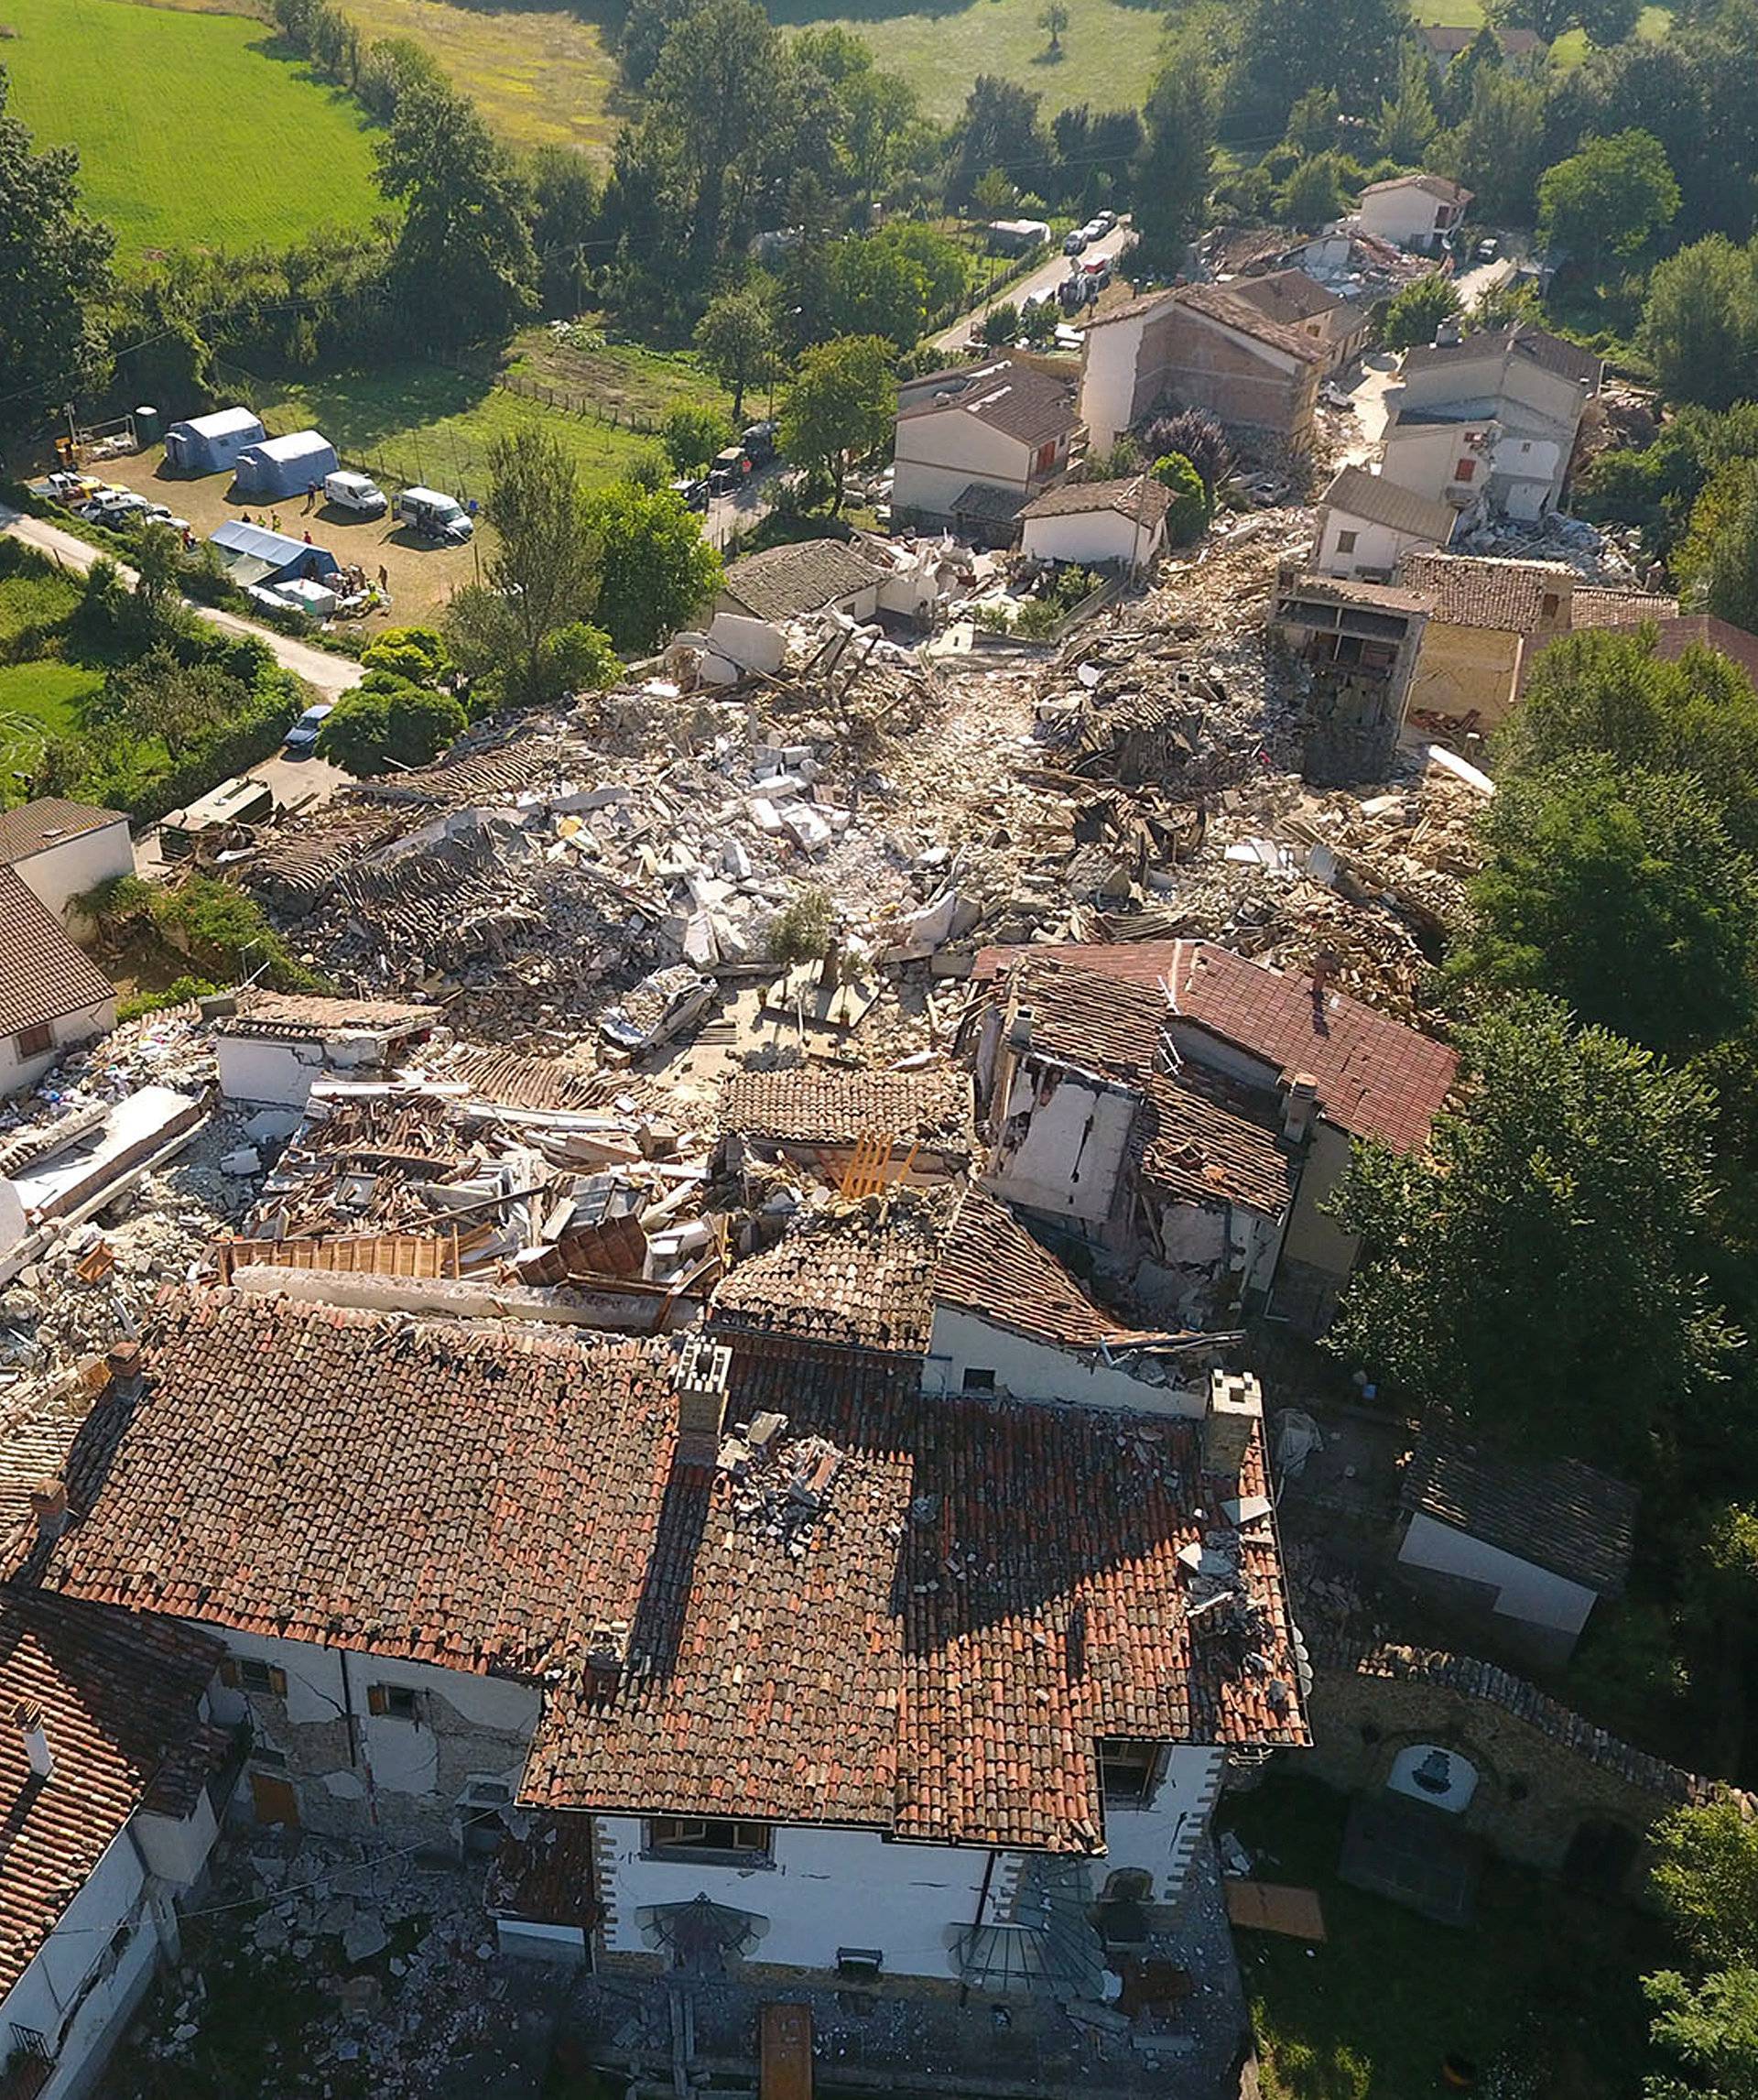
x: 210, y: 444
x: 253, y: 554
x: 284, y: 466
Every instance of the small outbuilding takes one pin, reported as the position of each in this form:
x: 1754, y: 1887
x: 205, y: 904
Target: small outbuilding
x: 1111, y: 521
x: 1536, y: 1544
x: 278, y: 467
x: 60, y: 849
x: 253, y: 554
x: 210, y: 444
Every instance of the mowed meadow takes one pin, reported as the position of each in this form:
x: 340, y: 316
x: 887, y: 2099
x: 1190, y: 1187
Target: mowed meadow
x: 192, y: 131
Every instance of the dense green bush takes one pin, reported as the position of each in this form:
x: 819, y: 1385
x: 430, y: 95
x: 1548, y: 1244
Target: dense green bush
x: 385, y: 723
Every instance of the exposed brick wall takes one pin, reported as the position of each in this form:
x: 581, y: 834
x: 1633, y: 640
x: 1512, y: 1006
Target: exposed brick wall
x: 1198, y: 366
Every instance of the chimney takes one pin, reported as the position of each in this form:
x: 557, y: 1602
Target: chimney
x: 49, y: 1506
x: 123, y: 1362
x: 700, y: 1385
x: 1324, y: 967
x: 606, y: 1652
x: 1019, y: 1031
x: 1299, y: 1107
x: 1449, y: 334
x: 27, y: 1718
x: 1235, y: 1409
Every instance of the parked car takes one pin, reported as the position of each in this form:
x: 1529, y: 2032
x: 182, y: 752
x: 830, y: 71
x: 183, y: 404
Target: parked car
x: 162, y: 514
x: 1075, y: 243
x: 433, y: 515
x: 691, y: 490
x: 303, y: 736
x: 1094, y: 230
x: 729, y: 470
x: 760, y: 442
x: 1105, y: 221
x: 113, y: 508
x: 1488, y: 249
x: 71, y: 488
x: 355, y: 493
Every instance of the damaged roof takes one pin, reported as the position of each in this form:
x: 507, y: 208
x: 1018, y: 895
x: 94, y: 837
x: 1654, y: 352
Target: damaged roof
x: 1561, y: 1515
x: 992, y: 1267
x: 1203, y: 1141
x: 50, y: 822
x: 1290, y: 296
x: 848, y: 1276
x: 989, y: 1590
x: 1377, y: 1078
x: 1519, y: 339
x: 986, y: 1591
x: 42, y: 974
x: 1478, y: 591
x: 1221, y: 303
x: 1088, y: 1018
x: 782, y: 583
x: 837, y: 1107
x: 1015, y: 399
x: 291, y: 1017
x: 120, y: 1702
x: 1381, y: 502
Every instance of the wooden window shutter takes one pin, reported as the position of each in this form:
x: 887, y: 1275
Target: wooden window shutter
x: 229, y: 1671
x: 277, y: 1681
x: 377, y: 1701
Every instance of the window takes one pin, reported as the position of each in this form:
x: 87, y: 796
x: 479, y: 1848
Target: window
x: 979, y: 1381
x: 1550, y: 603
x: 392, y: 1701
x: 36, y: 1041
x: 268, y: 1757
x: 1465, y: 471
x: 707, y: 1837
x: 1131, y: 1770
x: 247, y: 1673
x: 1346, y: 542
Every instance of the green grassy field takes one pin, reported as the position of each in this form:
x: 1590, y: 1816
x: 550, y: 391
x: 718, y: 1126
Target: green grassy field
x: 423, y: 422
x: 39, y: 701
x: 190, y: 133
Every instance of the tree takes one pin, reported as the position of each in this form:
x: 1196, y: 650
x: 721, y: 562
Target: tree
x: 158, y: 575
x: 1407, y: 120
x: 998, y: 132
x: 1706, y: 1874
x: 1053, y: 20
x: 1608, y: 199
x: 993, y: 193
x: 1286, y: 47
x: 1498, y: 150
x: 543, y: 565
x: 1313, y: 193
x: 386, y: 721
x: 693, y: 433
x: 54, y: 269
x: 418, y: 654
x: 464, y: 257
x: 1095, y: 150
x: 1314, y: 123
x: 1605, y: 21
x: 839, y: 407
x: 736, y: 338
x: 713, y: 107
x: 1608, y: 693
x: 1001, y: 325
x: 1198, y: 435
x: 1729, y: 578
x: 1577, y: 1159
x: 1172, y: 176
x: 1621, y: 894
x: 566, y: 220
x: 1459, y: 82
x: 874, y: 287
x: 1699, y: 323
x: 1186, y: 515
x: 1415, y: 315
x: 655, y: 571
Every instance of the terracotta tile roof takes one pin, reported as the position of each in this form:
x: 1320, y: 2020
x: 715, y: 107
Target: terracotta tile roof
x: 1593, y: 607
x: 1346, y: 591
x: 42, y: 974
x: 1098, y: 1022
x: 1026, y: 405
x: 1553, y: 352
x: 1203, y: 1141
x: 1377, y: 1078
x: 1381, y: 502
x: 49, y: 822
x: 1224, y: 304
x: 850, y: 1276
x: 834, y: 1107
x: 1703, y: 630
x: 1290, y: 296
x: 120, y: 1703
x: 295, y: 1017
x: 1436, y: 186
x: 988, y: 1590
x: 1563, y: 1515
x: 784, y: 582
x: 1473, y: 590
x: 992, y: 1267
x: 406, y: 1488
x: 1138, y: 496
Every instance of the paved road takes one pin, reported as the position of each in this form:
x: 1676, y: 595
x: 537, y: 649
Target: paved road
x: 332, y: 676
x: 1042, y: 280
x: 1474, y: 283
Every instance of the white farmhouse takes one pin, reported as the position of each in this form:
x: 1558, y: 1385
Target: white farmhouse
x: 1119, y: 522
x: 52, y: 996
x: 975, y: 444
x: 1365, y: 523
x: 1413, y: 211
x: 59, y: 850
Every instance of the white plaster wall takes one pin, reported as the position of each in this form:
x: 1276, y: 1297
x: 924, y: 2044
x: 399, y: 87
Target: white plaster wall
x: 1108, y: 379
x: 1407, y: 216
x: 176, y: 1851
x: 1034, y: 1371
x: 74, y: 865
x: 1162, y: 1838
x: 1092, y: 536
x: 1377, y: 546
x: 822, y: 1889
x: 1523, y: 1591
x: 80, y: 1027
x: 1424, y: 457
x: 282, y: 1073
x: 1058, y: 1144
x: 939, y: 456
x: 1313, y: 1236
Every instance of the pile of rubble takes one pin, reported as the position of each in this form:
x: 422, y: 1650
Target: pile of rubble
x: 779, y: 1486
x: 1610, y: 554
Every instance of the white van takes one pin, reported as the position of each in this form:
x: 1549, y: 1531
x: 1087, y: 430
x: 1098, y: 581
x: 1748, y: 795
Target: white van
x: 355, y: 493
x: 433, y: 515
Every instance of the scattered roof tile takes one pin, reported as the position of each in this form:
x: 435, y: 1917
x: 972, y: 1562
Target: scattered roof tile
x: 51, y: 822
x: 851, y: 1276
x: 782, y: 582
x: 42, y: 974
x: 1203, y: 1141
x: 1561, y: 1514
x: 1593, y: 607
x: 1093, y: 1019
x: 297, y: 1017
x: 835, y: 1107
x: 1478, y: 591
x: 992, y: 1267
